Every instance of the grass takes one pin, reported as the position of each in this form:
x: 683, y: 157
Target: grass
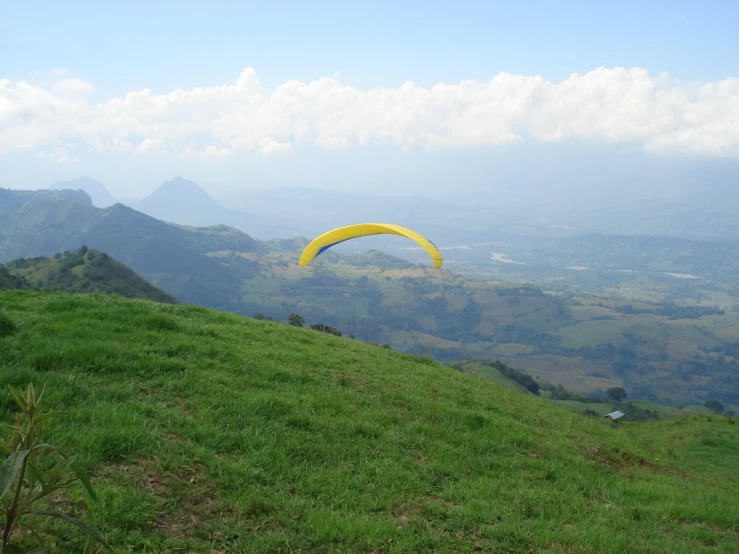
x: 210, y: 432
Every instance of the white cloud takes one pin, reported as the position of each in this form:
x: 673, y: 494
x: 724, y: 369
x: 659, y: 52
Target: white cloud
x: 209, y: 152
x: 72, y: 87
x: 57, y: 155
x: 613, y: 105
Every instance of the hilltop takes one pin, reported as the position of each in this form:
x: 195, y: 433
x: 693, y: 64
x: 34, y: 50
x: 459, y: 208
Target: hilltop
x: 84, y: 271
x: 13, y: 199
x: 206, y: 431
x: 97, y: 192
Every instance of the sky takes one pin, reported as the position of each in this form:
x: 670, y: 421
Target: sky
x: 357, y: 95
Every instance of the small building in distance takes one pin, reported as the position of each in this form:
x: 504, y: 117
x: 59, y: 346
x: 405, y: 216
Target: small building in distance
x: 615, y: 416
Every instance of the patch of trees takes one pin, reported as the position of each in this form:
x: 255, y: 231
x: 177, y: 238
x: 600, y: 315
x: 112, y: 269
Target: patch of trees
x: 616, y: 394
x: 326, y: 329
x: 714, y: 405
x: 523, y: 379
x: 523, y: 290
x: 25, y: 263
x: 296, y: 320
x: 384, y: 316
x: 672, y: 311
x: 727, y: 349
x: 462, y: 326
x: 419, y: 285
x: 325, y: 285
x: 558, y: 392
x: 9, y: 281
x: 724, y: 384
x: 260, y: 316
x: 545, y: 342
x: 634, y: 413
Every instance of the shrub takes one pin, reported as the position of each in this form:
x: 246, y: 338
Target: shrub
x: 29, y: 475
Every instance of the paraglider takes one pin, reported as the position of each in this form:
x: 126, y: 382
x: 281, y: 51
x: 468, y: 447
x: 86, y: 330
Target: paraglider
x: 340, y: 234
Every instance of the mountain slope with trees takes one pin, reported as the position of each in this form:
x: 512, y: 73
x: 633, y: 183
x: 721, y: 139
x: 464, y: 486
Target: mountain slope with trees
x: 665, y: 353
x: 83, y: 271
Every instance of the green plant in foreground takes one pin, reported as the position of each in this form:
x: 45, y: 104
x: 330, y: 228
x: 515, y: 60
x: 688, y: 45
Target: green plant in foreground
x: 23, y: 480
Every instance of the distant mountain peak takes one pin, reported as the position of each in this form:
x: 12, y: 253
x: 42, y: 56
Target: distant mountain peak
x: 183, y: 189
x: 184, y: 202
x: 179, y: 180
x: 97, y: 192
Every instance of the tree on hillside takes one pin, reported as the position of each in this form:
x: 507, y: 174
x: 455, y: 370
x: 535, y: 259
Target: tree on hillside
x: 326, y: 329
x: 262, y: 317
x: 714, y: 405
x: 616, y: 394
x: 296, y: 320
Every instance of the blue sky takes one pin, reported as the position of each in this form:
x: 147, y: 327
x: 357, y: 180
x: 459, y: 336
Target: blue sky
x: 163, y: 45
x: 378, y: 133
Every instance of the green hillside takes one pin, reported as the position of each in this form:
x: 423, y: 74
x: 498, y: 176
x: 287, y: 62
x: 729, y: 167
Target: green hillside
x: 211, y: 432
x: 659, y: 350
x: 84, y: 271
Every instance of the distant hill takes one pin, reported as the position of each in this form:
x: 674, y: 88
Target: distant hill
x: 82, y: 270
x: 379, y: 260
x: 186, y: 203
x: 99, y: 195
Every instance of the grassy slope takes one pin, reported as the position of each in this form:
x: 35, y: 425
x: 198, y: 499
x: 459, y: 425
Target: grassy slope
x: 207, y: 431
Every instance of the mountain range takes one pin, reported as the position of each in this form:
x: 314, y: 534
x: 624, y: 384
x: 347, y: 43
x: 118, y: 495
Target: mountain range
x: 183, y: 202
x: 658, y: 350
x: 462, y: 218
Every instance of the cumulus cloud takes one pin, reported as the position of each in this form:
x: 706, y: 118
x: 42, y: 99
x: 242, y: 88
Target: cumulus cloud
x: 606, y: 104
x: 73, y: 87
x: 57, y: 155
x: 209, y: 152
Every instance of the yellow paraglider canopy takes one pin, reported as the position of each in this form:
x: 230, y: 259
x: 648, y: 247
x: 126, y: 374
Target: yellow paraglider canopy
x: 340, y: 234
